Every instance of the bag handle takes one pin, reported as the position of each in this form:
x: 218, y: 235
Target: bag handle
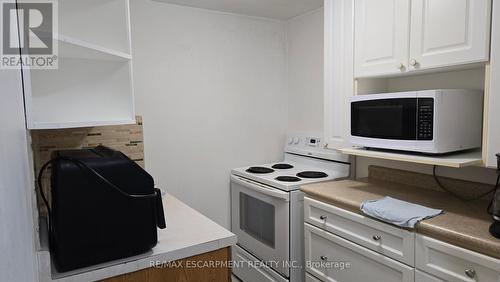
x: 156, y: 195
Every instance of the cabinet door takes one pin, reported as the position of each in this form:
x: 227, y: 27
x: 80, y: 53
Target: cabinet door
x: 332, y: 258
x: 339, y: 82
x: 381, y: 37
x: 449, y: 32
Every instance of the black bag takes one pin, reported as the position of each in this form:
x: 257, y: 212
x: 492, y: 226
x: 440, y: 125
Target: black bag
x: 104, y: 207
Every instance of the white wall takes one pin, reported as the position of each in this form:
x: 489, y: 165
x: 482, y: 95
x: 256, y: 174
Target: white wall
x: 17, y: 251
x: 305, y: 72
x: 211, y: 88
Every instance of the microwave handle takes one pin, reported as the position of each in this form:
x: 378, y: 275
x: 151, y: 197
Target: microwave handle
x: 269, y: 191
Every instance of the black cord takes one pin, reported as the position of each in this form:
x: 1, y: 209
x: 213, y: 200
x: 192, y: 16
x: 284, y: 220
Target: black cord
x: 40, y: 188
x: 458, y: 196
x: 491, y: 202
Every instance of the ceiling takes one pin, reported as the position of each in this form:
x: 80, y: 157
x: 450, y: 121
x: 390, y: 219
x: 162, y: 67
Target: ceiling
x: 275, y: 9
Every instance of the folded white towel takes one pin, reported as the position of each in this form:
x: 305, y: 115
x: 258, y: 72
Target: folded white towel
x: 398, y: 212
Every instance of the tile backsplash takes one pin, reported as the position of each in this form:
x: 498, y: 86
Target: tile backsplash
x: 125, y: 138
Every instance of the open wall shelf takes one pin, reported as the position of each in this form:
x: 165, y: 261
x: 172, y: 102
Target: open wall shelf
x: 474, y: 77
x: 456, y: 160
x: 81, y: 92
x: 74, y: 48
x: 93, y: 83
x: 104, y: 23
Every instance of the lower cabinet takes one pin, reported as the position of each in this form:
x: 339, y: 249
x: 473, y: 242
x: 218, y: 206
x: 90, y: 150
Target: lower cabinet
x: 452, y: 263
x: 337, y: 248
x: 183, y: 270
x: 332, y: 258
x: 390, y: 241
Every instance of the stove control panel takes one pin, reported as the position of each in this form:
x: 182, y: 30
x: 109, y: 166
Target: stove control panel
x: 304, y: 141
x: 293, y: 140
x: 311, y: 145
x: 312, y: 142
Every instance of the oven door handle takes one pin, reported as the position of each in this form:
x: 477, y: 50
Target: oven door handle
x: 267, y: 190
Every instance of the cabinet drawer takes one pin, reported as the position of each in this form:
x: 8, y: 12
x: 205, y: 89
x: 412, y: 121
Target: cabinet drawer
x: 310, y: 278
x: 424, y: 277
x: 452, y: 263
x: 332, y: 258
x: 247, y: 269
x: 396, y: 243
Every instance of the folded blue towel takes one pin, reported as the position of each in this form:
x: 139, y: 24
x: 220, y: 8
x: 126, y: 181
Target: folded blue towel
x: 398, y: 212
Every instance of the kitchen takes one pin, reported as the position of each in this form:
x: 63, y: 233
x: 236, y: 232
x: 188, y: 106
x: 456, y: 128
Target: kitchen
x: 197, y: 92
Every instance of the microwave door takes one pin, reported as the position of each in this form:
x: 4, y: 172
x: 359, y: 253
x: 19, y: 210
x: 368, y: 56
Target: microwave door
x: 394, y: 119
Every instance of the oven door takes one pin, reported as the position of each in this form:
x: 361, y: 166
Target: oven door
x: 260, y: 217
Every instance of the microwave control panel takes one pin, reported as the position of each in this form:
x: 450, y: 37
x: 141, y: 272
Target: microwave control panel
x: 425, y: 113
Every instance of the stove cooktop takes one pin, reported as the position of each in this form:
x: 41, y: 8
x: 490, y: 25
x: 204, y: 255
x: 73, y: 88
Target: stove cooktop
x: 259, y: 170
x: 290, y: 176
x: 282, y: 166
x: 312, y: 174
x: 285, y: 167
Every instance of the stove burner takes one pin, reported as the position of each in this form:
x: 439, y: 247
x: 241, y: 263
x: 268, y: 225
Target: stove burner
x: 282, y: 166
x: 259, y: 170
x: 288, y: 178
x: 312, y: 174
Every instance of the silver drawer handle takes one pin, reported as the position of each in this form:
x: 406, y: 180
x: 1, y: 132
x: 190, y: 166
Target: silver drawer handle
x: 323, y: 258
x: 322, y: 217
x: 471, y: 273
x: 376, y: 237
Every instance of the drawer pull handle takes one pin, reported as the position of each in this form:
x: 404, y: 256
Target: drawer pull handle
x: 323, y: 258
x: 376, y: 237
x: 322, y: 217
x: 471, y: 273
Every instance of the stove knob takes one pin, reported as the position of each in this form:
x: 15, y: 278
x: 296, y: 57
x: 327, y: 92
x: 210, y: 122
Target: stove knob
x: 296, y: 140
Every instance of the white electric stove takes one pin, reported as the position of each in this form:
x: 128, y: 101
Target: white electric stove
x: 267, y: 209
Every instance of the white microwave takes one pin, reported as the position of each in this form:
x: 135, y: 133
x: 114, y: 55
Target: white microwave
x: 430, y: 121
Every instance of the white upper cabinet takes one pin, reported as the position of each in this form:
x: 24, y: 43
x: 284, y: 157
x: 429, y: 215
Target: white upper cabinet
x: 338, y: 80
x: 449, y: 32
x: 382, y: 37
x: 399, y: 36
x: 92, y: 85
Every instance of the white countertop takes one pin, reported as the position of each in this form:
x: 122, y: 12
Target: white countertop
x: 188, y: 233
